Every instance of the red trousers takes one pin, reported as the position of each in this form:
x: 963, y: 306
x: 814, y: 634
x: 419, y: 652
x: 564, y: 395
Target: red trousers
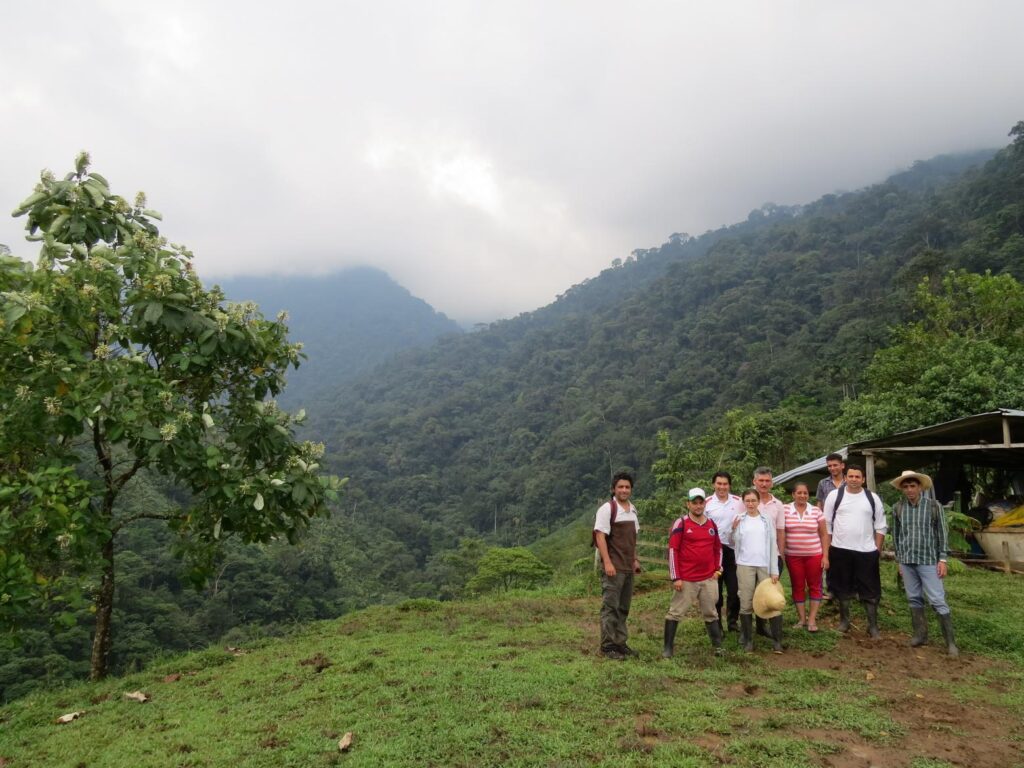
x: 805, y: 570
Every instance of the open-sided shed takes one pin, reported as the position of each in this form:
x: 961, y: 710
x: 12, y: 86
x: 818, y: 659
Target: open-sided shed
x: 979, y: 456
x: 989, y: 440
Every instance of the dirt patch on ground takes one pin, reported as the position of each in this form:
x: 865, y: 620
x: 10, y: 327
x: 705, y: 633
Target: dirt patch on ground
x: 947, y: 708
x: 917, y: 686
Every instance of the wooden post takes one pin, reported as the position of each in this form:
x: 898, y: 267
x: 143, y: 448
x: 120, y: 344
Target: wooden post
x: 869, y: 479
x: 1006, y: 432
x: 1006, y: 558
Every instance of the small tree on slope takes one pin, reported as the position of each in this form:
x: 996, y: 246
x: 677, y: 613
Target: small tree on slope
x: 113, y: 360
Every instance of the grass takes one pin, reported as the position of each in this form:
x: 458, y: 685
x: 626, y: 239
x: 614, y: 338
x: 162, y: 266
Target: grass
x: 501, y: 681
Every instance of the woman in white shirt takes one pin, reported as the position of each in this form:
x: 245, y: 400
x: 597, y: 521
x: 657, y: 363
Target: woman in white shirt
x: 757, y: 558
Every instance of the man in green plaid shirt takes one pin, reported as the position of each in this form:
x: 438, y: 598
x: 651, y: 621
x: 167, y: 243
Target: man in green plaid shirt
x: 920, y: 537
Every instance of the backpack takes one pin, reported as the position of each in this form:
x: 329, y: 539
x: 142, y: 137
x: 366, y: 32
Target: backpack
x: 839, y: 498
x: 611, y: 524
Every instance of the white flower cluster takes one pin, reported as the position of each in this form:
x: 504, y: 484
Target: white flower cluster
x: 163, y: 283
x: 312, y: 450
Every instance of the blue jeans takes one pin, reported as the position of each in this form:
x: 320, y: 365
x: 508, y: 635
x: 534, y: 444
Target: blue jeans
x: 921, y: 581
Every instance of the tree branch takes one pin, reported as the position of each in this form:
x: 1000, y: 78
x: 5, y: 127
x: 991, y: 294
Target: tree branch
x: 128, y: 475
x: 103, y: 455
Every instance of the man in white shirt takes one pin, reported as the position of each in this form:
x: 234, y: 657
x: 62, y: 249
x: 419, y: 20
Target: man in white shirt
x: 855, y: 518
x: 723, y: 507
x: 772, y: 508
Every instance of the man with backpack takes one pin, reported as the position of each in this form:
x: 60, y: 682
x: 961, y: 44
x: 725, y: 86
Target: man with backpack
x: 615, y: 529
x: 855, y: 518
x: 694, y: 565
x: 920, y: 537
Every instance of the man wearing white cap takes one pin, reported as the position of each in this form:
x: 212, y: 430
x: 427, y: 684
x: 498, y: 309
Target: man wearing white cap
x: 694, y: 565
x: 920, y: 537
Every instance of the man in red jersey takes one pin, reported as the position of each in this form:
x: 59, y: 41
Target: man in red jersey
x: 694, y: 565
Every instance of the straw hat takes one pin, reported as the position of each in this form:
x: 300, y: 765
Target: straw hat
x: 769, y: 599
x: 924, y: 480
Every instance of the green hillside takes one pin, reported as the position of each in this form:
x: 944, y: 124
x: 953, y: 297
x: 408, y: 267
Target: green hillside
x: 512, y: 431
x: 515, y: 680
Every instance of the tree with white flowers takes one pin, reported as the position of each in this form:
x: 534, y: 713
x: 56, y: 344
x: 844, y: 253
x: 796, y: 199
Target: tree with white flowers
x: 115, y: 360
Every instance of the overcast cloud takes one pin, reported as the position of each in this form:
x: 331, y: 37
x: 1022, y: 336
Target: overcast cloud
x: 488, y: 155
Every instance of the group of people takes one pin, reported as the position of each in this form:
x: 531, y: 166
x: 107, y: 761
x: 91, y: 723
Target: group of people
x: 724, y: 546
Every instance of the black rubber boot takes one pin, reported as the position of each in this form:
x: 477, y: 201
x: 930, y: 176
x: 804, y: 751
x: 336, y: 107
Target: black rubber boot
x: 844, y: 616
x: 871, y: 609
x: 670, y: 638
x: 762, y: 628
x: 776, y: 625
x: 746, y: 632
x: 715, y: 633
x: 920, y: 624
x: 946, y: 622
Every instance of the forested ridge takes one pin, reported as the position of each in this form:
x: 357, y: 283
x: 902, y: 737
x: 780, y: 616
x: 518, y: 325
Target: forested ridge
x: 348, y: 322
x: 517, y: 428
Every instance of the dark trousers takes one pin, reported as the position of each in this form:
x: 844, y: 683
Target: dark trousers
x: 855, y: 574
x: 616, y: 596
x: 728, y: 579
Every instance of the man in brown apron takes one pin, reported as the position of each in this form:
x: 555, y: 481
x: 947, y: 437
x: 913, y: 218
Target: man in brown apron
x: 615, y: 529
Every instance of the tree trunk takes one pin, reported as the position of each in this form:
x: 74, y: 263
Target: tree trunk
x: 104, y: 609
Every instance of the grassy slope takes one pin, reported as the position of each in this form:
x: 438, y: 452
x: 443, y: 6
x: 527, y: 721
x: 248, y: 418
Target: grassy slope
x: 515, y: 681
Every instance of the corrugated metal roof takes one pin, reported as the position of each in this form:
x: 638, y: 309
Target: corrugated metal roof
x: 980, y: 436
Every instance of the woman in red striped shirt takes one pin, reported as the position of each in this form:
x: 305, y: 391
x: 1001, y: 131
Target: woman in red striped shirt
x: 805, y: 553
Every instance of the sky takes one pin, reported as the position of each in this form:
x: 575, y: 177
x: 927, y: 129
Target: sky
x: 488, y: 155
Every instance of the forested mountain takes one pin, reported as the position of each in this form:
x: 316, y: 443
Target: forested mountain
x: 349, y: 321
x: 517, y: 428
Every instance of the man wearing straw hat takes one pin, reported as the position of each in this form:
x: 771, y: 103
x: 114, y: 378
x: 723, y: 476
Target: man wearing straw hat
x: 920, y: 537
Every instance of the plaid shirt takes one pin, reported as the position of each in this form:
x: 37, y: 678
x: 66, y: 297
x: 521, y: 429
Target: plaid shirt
x: 919, y: 532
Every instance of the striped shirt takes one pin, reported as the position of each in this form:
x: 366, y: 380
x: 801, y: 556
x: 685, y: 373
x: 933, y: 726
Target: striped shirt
x: 802, y: 538
x: 774, y: 510
x: 919, y: 532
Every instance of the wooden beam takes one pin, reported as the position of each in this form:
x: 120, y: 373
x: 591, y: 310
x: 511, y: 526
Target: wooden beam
x: 926, y: 448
